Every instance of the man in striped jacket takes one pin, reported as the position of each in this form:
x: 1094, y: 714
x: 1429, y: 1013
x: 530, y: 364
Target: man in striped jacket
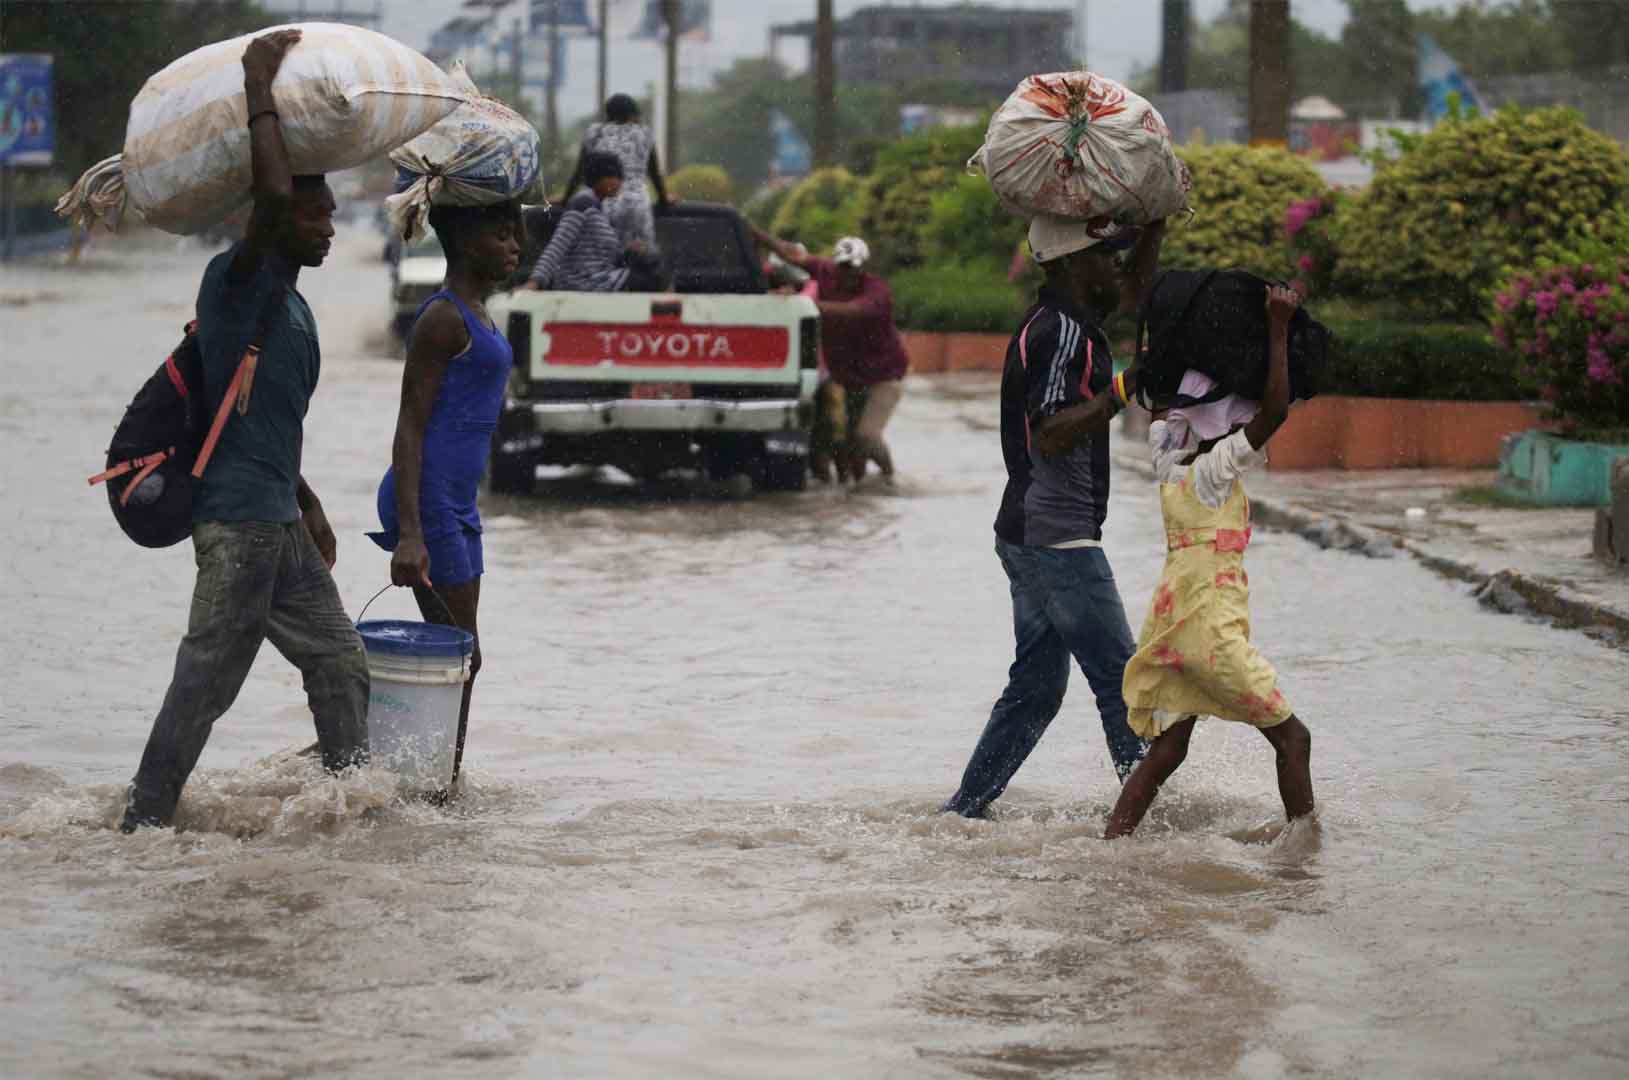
x: 1049, y: 529
x: 585, y: 254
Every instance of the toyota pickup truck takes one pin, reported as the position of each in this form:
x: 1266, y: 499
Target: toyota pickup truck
x: 719, y: 374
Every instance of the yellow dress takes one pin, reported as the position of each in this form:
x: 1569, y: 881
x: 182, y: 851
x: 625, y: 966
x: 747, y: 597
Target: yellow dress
x: 1194, y: 654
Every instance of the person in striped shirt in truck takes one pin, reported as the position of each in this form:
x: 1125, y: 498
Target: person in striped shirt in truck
x: 585, y: 254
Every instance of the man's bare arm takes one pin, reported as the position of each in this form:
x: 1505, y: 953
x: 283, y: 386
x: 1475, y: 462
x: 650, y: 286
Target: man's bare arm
x: 268, y: 155
x: 780, y: 247
x: 1068, y: 428
x: 1140, y: 270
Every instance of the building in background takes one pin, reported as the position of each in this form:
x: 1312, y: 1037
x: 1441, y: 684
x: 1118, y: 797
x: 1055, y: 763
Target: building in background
x: 979, y: 46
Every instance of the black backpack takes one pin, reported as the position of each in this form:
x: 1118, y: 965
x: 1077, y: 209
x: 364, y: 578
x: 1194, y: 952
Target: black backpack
x: 1215, y: 321
x: 161, y: 447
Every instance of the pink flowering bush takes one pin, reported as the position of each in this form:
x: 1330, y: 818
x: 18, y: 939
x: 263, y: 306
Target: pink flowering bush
x: 1568, y: 326
x: 1307, y: 230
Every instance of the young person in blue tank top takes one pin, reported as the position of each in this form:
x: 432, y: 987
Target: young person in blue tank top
x: 452, y: 388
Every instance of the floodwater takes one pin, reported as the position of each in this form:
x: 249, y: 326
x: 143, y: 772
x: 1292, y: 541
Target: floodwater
x: 699, y: 837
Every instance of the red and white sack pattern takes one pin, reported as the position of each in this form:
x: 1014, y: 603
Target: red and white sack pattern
x: 1078, y: 145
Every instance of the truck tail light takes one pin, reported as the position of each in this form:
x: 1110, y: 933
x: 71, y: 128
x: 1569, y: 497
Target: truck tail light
x: 519, y: 332
x: 808, y: 343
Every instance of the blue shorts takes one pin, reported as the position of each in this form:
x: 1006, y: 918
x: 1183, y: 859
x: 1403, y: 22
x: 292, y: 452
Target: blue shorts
x: 455, y: 557
x: 454, y: 545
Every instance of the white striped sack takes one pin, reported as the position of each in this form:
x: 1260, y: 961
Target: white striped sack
x: 344, y: 95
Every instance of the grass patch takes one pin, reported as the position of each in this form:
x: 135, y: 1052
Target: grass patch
x: 1488, y: 497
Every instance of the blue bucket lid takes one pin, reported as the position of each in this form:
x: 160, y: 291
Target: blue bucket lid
x: 399, y: 637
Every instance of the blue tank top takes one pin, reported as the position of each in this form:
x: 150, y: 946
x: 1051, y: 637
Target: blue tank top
x: 459, y: 436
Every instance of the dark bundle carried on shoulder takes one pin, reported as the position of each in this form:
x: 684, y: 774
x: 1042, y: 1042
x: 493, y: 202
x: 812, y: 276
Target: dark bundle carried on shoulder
x: 1215, y: 321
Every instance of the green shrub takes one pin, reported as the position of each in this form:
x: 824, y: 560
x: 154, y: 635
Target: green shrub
x: 1382, y: 354
x: 965, y: 222
x: 900, y: 189
x: 706, y: 183
x: 957, y: 297
x: 1439, y: 225
x: 762, y: 207
x: 1240, y: 197
x: 821, y: 209
x: 1567, y: 330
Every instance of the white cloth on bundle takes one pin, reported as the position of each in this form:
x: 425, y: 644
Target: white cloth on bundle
x: 1172, y: 439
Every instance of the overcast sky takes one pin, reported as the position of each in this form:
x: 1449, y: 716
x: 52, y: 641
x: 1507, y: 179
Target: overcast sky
x: 1121, y: 35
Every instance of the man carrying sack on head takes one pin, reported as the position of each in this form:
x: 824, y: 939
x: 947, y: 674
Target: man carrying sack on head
x: 1049, y: 528
x: 262, y: 542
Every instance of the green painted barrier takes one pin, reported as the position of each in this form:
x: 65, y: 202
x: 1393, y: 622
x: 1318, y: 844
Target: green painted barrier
x: 1546, y: 469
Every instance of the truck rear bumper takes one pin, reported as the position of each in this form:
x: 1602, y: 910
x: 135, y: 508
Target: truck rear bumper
x: 694, y: 414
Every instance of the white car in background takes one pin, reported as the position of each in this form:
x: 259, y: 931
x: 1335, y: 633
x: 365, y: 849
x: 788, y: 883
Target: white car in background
x: 417, y: 275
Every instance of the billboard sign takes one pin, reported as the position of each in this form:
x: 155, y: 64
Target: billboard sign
x: 27, y: 123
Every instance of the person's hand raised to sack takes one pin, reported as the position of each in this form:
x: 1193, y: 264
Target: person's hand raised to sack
x: 265, y: 55
x: 1282, y: 304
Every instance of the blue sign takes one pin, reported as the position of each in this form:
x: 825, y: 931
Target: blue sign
x: 573, y: 15
x: 27, y: 127
x: 792, y: 156
x: 695, y: 20
x: 1440, y: 77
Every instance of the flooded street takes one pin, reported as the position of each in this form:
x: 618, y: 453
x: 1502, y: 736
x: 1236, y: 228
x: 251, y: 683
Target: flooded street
x: 699, y: 836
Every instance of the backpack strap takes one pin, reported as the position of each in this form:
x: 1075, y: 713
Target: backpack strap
x: 243, y: 380
x: 146, y: 464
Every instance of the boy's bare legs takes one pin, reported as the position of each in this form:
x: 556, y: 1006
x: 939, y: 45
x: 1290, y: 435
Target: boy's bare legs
x: 1292, y: 746
x: 1143, y: 784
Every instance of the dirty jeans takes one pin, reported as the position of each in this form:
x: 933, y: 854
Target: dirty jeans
x: 256, y: 580
x: 1064, y: 603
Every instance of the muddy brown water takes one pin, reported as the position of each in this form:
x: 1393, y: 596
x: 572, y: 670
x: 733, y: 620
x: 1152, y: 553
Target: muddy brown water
x: 699, y: 837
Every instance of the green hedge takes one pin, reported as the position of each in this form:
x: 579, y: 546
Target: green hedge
x: 1440, y: 225
x: 821, y: 209
x: 1240, y: 195
x: 704, y: 183
x: 1391, y: 357
x: 901, y: 186
x: 972, y: 297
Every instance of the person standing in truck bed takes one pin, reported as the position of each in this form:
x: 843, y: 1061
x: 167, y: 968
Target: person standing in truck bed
x: 861, y: 344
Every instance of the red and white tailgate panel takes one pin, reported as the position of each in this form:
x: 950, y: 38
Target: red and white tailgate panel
x: 639, y: 337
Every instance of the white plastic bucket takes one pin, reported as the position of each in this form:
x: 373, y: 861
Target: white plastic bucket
x: 418, y: 671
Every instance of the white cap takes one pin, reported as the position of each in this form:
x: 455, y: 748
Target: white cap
x: 851, y: 251
x: 1054, y: 237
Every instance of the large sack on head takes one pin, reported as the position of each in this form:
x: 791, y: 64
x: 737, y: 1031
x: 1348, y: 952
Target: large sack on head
x: 344, y: 96
x: 1078, y: 145
x: 483, y: 152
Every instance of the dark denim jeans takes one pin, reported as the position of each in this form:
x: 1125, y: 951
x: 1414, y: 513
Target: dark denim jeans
x: 1064, y: 603
x: 256, y: 581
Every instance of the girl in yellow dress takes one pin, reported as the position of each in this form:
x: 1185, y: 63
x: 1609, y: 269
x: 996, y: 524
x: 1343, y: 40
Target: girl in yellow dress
x: 1194, y: 657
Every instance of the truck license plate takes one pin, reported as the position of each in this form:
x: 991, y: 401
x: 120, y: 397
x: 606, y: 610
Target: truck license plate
x: 661, y: 391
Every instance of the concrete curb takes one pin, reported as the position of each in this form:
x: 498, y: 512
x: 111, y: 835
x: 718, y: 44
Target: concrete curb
x: 1507, y: 591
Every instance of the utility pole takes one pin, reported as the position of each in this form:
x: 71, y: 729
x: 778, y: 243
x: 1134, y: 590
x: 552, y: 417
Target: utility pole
x: 515, y: 69
x: 670, y: 151
x: 1174, y: 47
x: 604, y: 53
x: 551, y: 89
x: 1269, y: 72
x: 825, y: 86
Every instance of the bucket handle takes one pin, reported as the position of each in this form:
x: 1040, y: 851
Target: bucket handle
x: 445, y: 609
